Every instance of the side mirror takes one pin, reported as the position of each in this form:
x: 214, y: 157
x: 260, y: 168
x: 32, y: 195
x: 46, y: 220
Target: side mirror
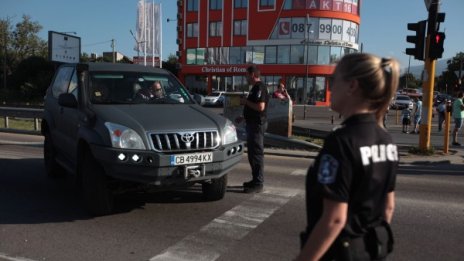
x: 199, y: 99
x: 67, y: 100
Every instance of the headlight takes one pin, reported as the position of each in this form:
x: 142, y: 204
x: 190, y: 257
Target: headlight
x: 229, y: 133
x: 123, y: 137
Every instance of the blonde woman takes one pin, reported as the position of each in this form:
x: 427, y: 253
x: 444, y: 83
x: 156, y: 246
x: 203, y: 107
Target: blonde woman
x: 350, y: 187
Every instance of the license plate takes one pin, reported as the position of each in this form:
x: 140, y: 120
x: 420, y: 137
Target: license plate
x: 194, y: 158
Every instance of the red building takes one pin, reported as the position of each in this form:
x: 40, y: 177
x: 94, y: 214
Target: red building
x: 296, y: 41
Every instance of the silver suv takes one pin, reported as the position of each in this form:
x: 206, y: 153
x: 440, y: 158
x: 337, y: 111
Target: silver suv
x: 97, y: 126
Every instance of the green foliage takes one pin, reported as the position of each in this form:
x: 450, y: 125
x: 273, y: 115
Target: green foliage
x: 409, y: 81
x: 448, y: 81
x: 171, y: 64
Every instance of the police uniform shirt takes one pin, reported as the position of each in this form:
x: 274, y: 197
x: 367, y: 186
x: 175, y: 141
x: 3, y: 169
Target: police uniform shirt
x: 357, y: 165
x: 257, y: 94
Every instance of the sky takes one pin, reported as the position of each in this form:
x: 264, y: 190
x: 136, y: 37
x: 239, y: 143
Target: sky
x: 383, y: 28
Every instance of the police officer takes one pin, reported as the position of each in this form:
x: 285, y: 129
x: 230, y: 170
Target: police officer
x: 254, y: 112
x: 350, y: 186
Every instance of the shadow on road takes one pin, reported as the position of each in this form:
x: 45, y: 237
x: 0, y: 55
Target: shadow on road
x: 28, y: 196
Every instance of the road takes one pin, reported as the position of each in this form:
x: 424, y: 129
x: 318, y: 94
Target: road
x: 42, y: 219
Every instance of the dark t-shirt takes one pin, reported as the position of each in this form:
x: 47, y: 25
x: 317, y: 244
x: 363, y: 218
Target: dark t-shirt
x: 357, y: 165
x: 257, y: 94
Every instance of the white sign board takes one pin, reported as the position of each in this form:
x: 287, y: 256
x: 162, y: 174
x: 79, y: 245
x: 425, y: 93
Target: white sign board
x: 63, y: 47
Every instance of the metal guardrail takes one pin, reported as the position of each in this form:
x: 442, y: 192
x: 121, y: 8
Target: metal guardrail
x: 24, y: 113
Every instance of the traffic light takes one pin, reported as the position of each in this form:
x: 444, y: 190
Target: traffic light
x: 436, y: 45
x: 417, y: 40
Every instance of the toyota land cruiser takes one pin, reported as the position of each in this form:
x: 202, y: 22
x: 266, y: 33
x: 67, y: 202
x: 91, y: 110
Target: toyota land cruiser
x: 96, y: 127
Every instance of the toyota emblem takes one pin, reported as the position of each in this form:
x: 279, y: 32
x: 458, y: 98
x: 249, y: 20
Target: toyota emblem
x: 187, y: 137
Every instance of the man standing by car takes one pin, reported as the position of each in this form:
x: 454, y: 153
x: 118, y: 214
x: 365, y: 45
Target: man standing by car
x: 458, y: 115
x: 255, y: 114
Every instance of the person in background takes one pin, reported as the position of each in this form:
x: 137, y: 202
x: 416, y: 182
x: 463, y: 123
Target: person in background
x: 406, y: 119
x: 281, y: 93
x: 417, y: 114
x: 441, y: 109
x: 350, y: 187
x: 458, y: 115
x: 255, y: 114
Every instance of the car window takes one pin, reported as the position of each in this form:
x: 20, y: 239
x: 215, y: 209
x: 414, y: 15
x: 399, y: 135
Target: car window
x: 61, y: 83
x: 135, y: 88
x: 73, y: 85
x: 215, y: 94
x: 403, y: 98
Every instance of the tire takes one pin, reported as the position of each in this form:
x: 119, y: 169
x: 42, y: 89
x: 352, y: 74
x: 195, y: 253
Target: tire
x: 97, y: 196
x: 52, y: 168
x: 216, y: 189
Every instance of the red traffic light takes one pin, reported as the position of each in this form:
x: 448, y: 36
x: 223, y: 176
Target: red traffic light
x: 436, y: 45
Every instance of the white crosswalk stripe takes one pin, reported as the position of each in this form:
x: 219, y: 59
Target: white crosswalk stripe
x: 215, y: 238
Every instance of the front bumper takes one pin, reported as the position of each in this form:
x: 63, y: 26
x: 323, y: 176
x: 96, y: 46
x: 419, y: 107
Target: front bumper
x: 154, y: 168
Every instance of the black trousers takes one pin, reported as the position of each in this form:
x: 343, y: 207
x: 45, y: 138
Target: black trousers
x: 255, y: 145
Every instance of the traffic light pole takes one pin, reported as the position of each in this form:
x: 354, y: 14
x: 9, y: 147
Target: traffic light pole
x: 427, y: 89
x: 427, y: 101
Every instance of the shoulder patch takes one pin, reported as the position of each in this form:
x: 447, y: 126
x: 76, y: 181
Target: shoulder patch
x: 328, y: 168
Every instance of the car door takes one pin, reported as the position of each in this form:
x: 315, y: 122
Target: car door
x: 59, y: 86
x: 69, y: 118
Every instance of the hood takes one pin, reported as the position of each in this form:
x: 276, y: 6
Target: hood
x: 160, y: 117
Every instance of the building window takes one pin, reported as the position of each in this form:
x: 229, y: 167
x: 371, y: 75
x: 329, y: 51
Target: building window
x: 191, y: 56
x: 215, y: 4
x: 312, y: 54
x: 192, y: 5
x: 323, y: 55
x: 335, y: 54
x: 240, y: 3
x: 270, y: 55
x: 283, y: 54
x: 192, y: 30
x: 266, y: 4
x: 240, y: 27
x: 297, y: 54
x: 215, y: 28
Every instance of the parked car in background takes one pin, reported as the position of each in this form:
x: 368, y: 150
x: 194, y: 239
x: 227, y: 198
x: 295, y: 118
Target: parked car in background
x: 402, y: 101
x: 216, y: 98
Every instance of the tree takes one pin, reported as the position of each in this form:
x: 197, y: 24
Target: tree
x: 171, y: 64
x: 25, y: 42
x: 449, y: 81
x: 18, y: 44
x: 408, y: 81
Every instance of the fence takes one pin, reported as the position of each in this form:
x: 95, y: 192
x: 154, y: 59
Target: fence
x: 23, y: 113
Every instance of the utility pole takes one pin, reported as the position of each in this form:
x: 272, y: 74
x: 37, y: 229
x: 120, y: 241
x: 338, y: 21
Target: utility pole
x: 433, y: 51
x: 113, y: 54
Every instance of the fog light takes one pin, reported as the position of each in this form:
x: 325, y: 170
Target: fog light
x: 239, y: 148
x: 136, y: 158
x: 121, y: 156
x: 233, y: 151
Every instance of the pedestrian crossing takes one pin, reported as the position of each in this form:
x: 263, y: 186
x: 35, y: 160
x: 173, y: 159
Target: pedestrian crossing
x: 223, y: 232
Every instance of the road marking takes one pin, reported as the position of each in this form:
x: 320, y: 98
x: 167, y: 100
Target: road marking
x: 299, y: 172
x: 215, y: 238
x: 10, y: 258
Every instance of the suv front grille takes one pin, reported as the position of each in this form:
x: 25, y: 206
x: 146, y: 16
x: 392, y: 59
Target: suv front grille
x: 185, y: 141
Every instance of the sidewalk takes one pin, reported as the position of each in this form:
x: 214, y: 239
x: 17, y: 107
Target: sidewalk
x: 320, y: 127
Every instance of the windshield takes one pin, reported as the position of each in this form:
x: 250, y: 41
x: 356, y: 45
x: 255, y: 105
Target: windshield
x: 215, y: 94
x: 404, y: 98
x: 136, y: 88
